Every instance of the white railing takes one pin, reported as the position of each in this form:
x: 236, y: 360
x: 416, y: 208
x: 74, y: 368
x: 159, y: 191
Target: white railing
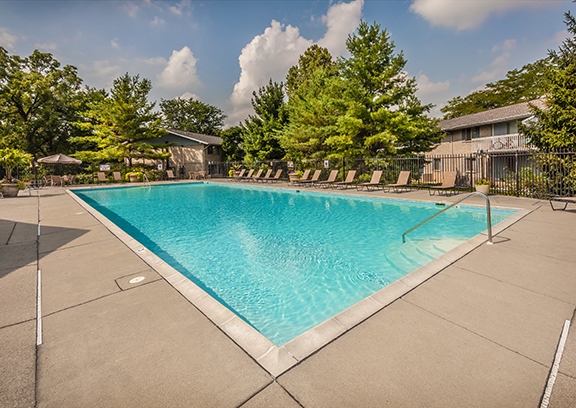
x: 499, y: 143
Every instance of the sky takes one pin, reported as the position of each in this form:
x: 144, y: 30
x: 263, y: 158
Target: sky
x: 220, y: 51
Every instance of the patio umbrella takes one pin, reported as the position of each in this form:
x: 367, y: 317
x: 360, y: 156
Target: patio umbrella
x: 59, y: 159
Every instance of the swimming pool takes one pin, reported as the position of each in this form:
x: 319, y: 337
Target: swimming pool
x: 284, y: 260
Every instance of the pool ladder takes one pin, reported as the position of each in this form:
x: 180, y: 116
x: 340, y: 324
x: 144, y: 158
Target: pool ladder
x: 452, y: 205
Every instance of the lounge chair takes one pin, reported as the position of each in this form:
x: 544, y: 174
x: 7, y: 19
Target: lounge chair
x: 561, y: 199
x: 374, y: 181
x: 239, y: 175
x: 276, y: 176
x: 117, y: 176
x: 349, y: 180
x: 257, y: 175
x: 304, y: 177
x: 266, y: 177
x: 102, y: 177
x: 293, y: 179
x: 448, y: 184
x: 401, y: 183
x: 247, y: 176
x: 202, y: 174
x: 328, y: 182
x: 313, y: 180
x: 170, y: 175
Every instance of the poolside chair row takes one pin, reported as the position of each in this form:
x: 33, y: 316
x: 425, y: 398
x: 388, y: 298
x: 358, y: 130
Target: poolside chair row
x: 258, y: 176
x: 402, y: 184
x: 374, y: 183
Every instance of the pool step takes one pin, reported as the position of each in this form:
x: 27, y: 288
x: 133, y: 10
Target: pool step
x: 416, y: 253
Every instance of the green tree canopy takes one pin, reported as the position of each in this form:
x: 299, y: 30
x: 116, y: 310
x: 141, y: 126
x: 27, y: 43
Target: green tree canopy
x: 39, y: 101
x: 520, y: 85
x: 315, y: 57
x: 122, y: 124
x: 260, y: 131
x: 232, y: 143
x: 555, y: 125
x: 365, y: 105
x: 192, y: 116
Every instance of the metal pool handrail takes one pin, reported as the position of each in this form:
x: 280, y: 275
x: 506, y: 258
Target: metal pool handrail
x: 145, y: 178
x: 452, y: 205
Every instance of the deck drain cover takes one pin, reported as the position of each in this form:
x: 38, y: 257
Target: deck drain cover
x: 137, y: 279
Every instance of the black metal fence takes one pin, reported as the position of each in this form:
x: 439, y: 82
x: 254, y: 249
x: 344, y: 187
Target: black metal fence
x: 522, y: 173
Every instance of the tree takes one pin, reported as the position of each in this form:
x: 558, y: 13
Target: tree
x: 315, y: 57
x: 260, y: 131
x: 122, y: 125
x: 12, y: 158
x: 323, y: 124
x: 192, y: 116
x: 392, y: 118
x: 39, y: 102
x: 520, y: 85
x: 555, y: 124
x: 364, y: 105
x: 232, y: 143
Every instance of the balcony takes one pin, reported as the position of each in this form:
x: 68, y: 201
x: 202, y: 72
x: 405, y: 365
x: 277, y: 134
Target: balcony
x: 499, y: 143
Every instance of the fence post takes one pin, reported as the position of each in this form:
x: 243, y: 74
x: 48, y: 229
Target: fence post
x: 517, y: 173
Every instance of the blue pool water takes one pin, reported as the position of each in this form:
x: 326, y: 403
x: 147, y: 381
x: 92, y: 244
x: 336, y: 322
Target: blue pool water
x: 284, y: 260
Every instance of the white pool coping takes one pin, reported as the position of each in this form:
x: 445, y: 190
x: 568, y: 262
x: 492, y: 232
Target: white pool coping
x: 278, y: 359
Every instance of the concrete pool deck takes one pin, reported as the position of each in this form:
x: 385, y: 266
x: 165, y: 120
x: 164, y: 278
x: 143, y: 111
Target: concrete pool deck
x: 482, y: 332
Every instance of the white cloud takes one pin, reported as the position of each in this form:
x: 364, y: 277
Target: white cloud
x: 467, y: 14
x: 271, y: 54
x: 157, y: 22
x: 100, y: 73
x: 180, y: 8
x: 7, y: 40
x: 341, y: 20
x: 114, y: 43
x: 180, y: 70
x: 189, y: 95
x: 427, y: 87
x: 499, y: 65
x: 47, y: 46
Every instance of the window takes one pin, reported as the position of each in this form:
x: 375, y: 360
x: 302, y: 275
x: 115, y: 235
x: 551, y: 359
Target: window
x: 471, y: 133
x: 505, y: 128
x: 436, y: 164
x: 210, y: 149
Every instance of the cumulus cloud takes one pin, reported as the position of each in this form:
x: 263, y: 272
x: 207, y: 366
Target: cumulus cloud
x: 180, y: 70
x: 499, y: 65
x: 341, y: 20
x: 7, y: 40
x: 269, y: 55
x: 272, y: 53
x: 189, y: 95
x: 469, y: 14
x: 427, y: 87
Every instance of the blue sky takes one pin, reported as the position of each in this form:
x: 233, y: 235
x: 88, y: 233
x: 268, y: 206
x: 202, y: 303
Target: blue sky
x: 220, y: 51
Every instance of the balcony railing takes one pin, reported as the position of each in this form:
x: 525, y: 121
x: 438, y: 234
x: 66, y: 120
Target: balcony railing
x: 499, y: 143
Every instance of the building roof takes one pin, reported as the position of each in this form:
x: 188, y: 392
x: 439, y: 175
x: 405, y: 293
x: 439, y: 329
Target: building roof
x: 518, y: 111
x: 197, y: 137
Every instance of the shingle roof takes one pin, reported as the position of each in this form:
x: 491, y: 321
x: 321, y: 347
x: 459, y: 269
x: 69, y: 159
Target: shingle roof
x: 518, y: 111
x: 197, y: 137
